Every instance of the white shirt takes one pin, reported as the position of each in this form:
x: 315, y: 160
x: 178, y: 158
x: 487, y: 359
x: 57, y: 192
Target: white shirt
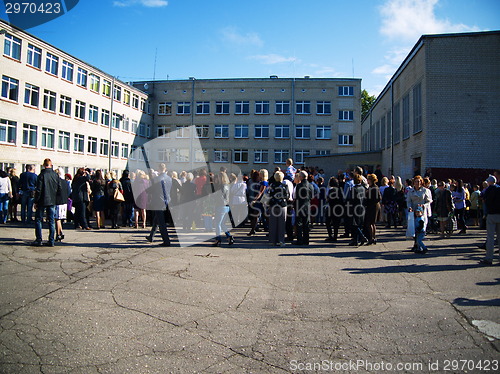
x: 5, y: 186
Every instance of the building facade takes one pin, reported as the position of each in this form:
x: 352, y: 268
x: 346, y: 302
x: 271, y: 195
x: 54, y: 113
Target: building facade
x: 254, y: 123
x: 439, y: 113
x: 53, y: 105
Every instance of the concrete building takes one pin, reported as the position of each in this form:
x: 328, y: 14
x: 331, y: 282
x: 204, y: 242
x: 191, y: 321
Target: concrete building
x: 53, y: 105
x: 255, y: 123
x: 440, y: 110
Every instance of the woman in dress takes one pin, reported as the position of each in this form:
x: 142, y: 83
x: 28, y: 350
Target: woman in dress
x: 114, y: 205
x: 279, y: 196
x: 61, y: 205
x: 372, y: 204
x: 98, y: 187
x: 80, y: 196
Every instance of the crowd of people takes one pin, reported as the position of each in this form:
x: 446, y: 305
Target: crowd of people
x: 286, y: 204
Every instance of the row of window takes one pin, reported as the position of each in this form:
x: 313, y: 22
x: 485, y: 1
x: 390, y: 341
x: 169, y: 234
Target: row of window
x: 243, y: 131
x: 342, y: 90
x: 45, y: 137
x: 379, y: 136
x: 80, y: 110
x: 69, y: 72
x: 260, y: 107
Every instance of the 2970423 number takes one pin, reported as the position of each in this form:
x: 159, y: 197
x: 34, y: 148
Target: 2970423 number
x: 33, y: 8
x: 471, y: 365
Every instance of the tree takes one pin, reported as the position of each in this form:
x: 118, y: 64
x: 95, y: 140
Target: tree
x: 366, y: 103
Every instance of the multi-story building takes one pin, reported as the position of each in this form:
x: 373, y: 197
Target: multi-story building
x: 440, y: 110
x: 53, y: 105
x: 255, y: 123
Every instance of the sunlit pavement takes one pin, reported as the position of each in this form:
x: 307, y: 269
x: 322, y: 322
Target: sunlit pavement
x: 108, y: 301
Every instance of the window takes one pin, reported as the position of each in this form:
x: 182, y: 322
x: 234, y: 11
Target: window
x: 280, y: 156
x: 302, y: 132
x: 389, y: 130
x: 115, y: 123
x: 241, y: 131
x: 12, y: 47
x: 346, y: 91
x: 303, y: 107
x: 80, y: 108
x: 49, y: 100
x: 95, y: 82
x: 31, y: 95
x: 30, y: 135
x: 261, y: 131
x: 92, y: 145
x: 164, y: 109
x: 183, y: 107
x: 377, y: 135
x: 300, y: 154
x: 242, y: 107
x: 135, y: 101
x: 143, y: 129
x: 133, y: 153
x: 417, y: 108
x: 126, y: 124
x: 261, y: 156
x: 200, y: 155
x: 282, y: 131
x: 346, y: 140
x: 64, y: 141
x: 346, y: 115
x: 163, y: 131
x: 115, y: 149
x: 51, y: 64
x: 143, y: 104
x: 222, y: 107
x: 81, y: 78
x: 406, y: 116
x: 203, y: 107
x: 323, y: 152
x: 65, y: 105
x: 7, y: 131
x: 48, y: 137
x: 323, y: 132
x: 34, y: 57
x: 182, y: 155
x: 124, y: 150
x: 106, y: 88
x: 78, y: 143
x: 221, y: 155
x: 202, y: 131
x: 135, y: 126
x: 105, y: 117
x: 262, y: 107
x: 240, y: 155
x: 117, y: 93
x: 10, y: 88
x: 397, y: 123
x: 323, y: 107
x: 382, y: 132
x: 182, y: 132
x: 126, y: 97
x: 93, y: 114
x: 103, y: 149
x: 67, y: 71
x: 282, y: 107
x: 221, y: 131
x: 163, y: 155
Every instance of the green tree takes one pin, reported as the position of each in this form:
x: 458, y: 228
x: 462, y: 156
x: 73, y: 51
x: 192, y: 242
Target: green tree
x: 366, y: 103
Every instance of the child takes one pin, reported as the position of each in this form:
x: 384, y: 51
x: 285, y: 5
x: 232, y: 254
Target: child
x: 419, y: 230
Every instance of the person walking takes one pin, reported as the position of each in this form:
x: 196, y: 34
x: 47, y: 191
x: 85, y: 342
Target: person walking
x: 27, y: 184
x: 47, y: 189
x: 221, y: 204
x: 160, y: 199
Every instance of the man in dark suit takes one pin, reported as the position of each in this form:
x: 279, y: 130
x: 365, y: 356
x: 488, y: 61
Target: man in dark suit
x: 46, y: 190
x: 303, y: 195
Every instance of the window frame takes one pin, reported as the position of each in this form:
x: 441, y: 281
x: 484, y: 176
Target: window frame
x: 324, y: 108
x: 303, y: 132
x: 10, y: 88
x: 203, y: 107
x: 323, y: 129
x: 48, y: 136
x: 242, y: 107
x: 28, y: 132
x: 49, y: 100
x: 34, y: 56
x: 222, y: 107
x: 82, y: 77
x: 9, y: 128
x: 282, y: 104
x: 79, y: 143
x: 221, y: 131
x: 67, y: 69
x: 262, y: 107
x: 31, y: 95
x: 63, y: 140
x: 239, y: 131
x: 51, y: 64
x: 305, y: 106
x: 12, y: 47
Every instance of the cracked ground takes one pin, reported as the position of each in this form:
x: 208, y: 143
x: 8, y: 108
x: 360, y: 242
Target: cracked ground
x: 109, y: 302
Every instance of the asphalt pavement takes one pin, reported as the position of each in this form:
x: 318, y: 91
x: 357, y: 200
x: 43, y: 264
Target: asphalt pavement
x: 108, y: 301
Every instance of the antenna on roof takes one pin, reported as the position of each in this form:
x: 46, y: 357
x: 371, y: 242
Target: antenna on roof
x: 154, y: 69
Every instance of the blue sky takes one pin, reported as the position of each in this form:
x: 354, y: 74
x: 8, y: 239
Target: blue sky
x: 233, y: 38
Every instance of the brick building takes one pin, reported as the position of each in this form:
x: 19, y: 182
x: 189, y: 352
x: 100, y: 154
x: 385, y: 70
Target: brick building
x: 440, y: 110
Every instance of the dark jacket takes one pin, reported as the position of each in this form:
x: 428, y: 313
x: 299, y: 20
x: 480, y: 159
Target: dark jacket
x: 27, y: 181
x: 492, y: 199
x: 303, y: 195
x: 279, y: 194
x: 79, y: 190
x: 47, y: 188
x: 127, y: 190
x: 444, y: 203
x: 62, y: 196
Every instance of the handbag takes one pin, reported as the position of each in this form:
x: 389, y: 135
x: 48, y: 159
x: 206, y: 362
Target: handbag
x: 118, y: 196
x: 410, y: 229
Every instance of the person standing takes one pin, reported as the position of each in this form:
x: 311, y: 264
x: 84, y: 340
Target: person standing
x: 335, y: 209
x: 80, y: 196
x: 277, y: 209
x: 443, y: 206
x: 14, y: 201
x: 372, y: 204
x: 491, y: 198
x: 5, y: 196
x: 27, y: 184
x: 61, y: 205
x: 128, y: 204
x: 304, y: 193
x: 416, y: 196
x: 221, y: 204
x: 98, y: 186
x: 46, y: 191
x: 458, y: 194
x: 113, y: 204
x: 160, y: 199
x: 356, y: 209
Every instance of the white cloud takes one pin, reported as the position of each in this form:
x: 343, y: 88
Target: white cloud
x: 146, y: 3
x: 233, y: 36
x: 272, y: 59
x: 409, y: 19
